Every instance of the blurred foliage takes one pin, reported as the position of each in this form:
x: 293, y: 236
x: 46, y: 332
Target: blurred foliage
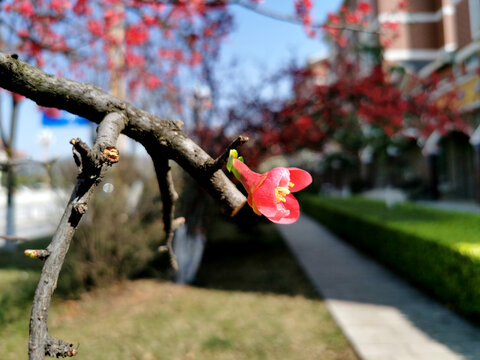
x: 437, y: 250
x: 251, y: 257
x: 119, y: 236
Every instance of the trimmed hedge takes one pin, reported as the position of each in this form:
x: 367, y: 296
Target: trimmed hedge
x: 437, y: 250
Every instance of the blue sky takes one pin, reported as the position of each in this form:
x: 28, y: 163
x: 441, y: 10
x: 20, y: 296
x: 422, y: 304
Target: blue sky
x: 258, y: 44
x: 259, y: 41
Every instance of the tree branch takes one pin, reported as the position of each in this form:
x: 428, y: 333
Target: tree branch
x: 155, y: 134
x: 13, y: 238
x: 222, y: 159
x: 169, y: 197
x: 297, y: 20
x: 94, y: 163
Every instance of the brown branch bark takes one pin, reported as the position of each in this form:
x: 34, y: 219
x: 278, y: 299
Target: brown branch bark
x: 155, y: 134
x: 94, y: 163
x: 169, y: 197
x: 222, y: 159
x: 13, y: 238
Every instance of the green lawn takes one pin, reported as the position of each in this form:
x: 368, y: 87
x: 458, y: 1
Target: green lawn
x: 437, y: 250
x: 251, y: 301
x: 447, y: 227
x: 18, y: 278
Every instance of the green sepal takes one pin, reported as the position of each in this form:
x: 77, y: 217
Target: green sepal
x: 236, y: 174
x: 233, y: 155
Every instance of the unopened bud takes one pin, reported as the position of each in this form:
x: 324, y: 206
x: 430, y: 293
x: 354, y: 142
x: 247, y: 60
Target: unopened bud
x: 36, y: 254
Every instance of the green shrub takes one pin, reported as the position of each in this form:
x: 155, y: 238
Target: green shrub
x: 115, y: 241
x: 437, y: 250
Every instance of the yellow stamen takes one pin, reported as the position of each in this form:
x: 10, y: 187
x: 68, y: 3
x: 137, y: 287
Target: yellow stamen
x: 281, y: 192
x: 290, y: 184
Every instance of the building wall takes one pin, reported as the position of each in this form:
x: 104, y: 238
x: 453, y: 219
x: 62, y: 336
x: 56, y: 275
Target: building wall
x: 428, y: 28
x: 413, y: 6
x: 437, y: 34
x: 464, y: 36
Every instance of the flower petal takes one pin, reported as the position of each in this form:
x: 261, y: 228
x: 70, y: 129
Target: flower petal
x: 253, y: 205
x: 265, y: 200
x: 280, y: 176
x: 250, y: 179
x: 300, y: 179
x: 264, y: 196
x: 290, y: 214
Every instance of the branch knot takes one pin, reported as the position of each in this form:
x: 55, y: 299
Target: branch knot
x: 59, y: 348
x: 111, y: 154
x: 80, y: 207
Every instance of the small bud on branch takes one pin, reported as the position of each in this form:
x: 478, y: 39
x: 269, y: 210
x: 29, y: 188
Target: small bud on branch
x: 37, y: 254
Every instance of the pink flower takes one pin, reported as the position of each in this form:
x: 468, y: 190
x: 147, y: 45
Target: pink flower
x: 270, y: 193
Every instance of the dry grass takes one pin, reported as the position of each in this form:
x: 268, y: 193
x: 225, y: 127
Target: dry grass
x: 254, y: 303
x: 148, y: 319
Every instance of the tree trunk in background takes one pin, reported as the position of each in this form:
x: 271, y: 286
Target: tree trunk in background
x: 10, y: 171
x: 476, y: 167
x: 11, y: 181
x: 432, y: 161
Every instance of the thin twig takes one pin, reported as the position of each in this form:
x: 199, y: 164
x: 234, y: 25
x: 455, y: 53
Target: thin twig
x: 222, y: 159
x: 169, y: 197
x: 25, y: 162
x: 298, y: 21
x: 13, y: 238
x: 94, y: 165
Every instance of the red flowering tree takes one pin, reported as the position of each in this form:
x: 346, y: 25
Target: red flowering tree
x: 352, y: 99
x: 137, y: 44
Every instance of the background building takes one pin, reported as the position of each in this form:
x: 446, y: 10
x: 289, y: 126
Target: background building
x: 432, y: 39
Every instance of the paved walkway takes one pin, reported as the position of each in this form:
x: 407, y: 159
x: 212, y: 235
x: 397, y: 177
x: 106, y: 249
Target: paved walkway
x: 461, y: 206
x: 383, y: 317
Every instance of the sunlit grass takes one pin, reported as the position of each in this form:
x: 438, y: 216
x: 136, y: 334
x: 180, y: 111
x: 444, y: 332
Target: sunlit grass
x: 252, y: 301
x: 18, y: 278
x: 446, y: 227
x: 147, y: 319
x: 9, y: 277
x: 436, y: 250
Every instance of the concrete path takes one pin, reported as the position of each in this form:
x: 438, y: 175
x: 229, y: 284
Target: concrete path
x: 460, y: 206
x: 383, y: 317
